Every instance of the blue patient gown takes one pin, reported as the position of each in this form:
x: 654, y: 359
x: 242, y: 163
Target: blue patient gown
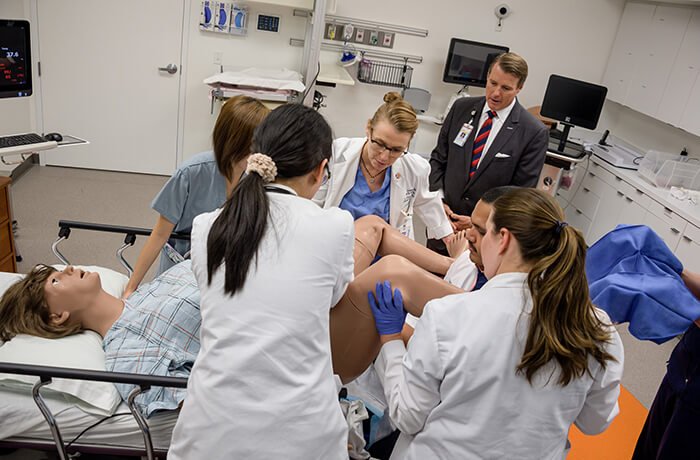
x: 157, y: 334
x: 635, y: 278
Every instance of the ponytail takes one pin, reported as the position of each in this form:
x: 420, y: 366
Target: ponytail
x: 292, y: 140
x: 563, y: 324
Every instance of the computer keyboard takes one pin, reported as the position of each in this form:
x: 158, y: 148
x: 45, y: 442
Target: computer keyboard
x: 24, y: 143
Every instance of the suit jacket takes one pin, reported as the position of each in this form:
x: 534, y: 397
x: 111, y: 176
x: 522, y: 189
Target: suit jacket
x: 521, y: 144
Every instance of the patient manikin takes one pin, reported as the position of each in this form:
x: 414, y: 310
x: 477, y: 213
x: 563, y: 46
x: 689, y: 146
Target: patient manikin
x: 54, y: 304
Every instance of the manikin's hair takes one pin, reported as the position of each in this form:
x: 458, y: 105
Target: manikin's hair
x: 23, y: 309
x: 233, y: 131
x: 397, y: 112
x: 563, y: 323
x: 513, y: 64
x: 297, y: 139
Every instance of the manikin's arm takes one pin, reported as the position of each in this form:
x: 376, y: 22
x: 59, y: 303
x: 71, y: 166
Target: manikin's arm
x: 155, y: 242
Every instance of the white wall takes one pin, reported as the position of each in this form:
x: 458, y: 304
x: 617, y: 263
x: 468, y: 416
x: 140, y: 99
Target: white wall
x: 567, y: 37
x: 258, y: 49
x: 16, y: 114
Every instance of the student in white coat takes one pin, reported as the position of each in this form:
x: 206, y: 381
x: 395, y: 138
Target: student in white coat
x: 270, y: 265
x: 377, y: 175
x: 504, y: 371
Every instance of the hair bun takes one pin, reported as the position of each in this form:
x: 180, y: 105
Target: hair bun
x: 392, y: 96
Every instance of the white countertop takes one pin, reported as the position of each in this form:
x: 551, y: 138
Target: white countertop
x: 685, y: 209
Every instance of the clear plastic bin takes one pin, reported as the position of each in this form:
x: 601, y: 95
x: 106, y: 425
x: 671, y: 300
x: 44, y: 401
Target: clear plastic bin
x: 668, y: 170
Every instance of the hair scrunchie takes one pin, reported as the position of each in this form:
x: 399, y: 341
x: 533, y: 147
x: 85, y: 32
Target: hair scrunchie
x: 559, y: 227
x: 263, y: 166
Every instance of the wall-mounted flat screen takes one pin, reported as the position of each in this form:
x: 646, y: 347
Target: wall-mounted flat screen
x: 15, y: 58
x: 468, y: 62
x: 575, y: 102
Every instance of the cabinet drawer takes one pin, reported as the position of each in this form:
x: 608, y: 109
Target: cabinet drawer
x: 634, y: 194
x: 4, y: 210
x: 586, y: 201
x: 8, y: 264
x: 578, y: 220
x: 5, y: 239
x: 667, y: 215
x: 593, y: 183
x: 670, y: 234
x: 692, y: 233
x: 604, y: 175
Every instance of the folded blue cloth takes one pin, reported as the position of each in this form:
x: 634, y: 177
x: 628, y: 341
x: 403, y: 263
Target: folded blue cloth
x: 635, y: 278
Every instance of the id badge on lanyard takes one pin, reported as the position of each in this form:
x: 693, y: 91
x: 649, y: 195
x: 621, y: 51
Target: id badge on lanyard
x: 465, y: 131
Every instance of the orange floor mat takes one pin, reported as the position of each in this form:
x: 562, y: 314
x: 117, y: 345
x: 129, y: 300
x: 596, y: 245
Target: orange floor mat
x: 618, y: 441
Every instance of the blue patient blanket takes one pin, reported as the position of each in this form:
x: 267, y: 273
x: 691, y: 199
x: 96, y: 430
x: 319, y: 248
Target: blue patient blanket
x: 635, y: 278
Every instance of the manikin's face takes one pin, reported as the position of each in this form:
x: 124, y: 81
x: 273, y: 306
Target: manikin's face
x: 71, y: 290
x: 492, y: 248
x: 501, y: 88
x: 476, y: 232
x: 385, y: 145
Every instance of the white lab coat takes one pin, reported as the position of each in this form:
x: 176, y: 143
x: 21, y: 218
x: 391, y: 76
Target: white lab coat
x: 409, y: 188
x: 455, y: 392
x: 262, y: 385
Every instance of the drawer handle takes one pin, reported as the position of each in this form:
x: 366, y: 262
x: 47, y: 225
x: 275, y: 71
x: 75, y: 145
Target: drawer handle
x: 629, y: 199
x: 668, y: 211
x: 618, y: 179
x: 577, y: 211
x: 687, y: 238
x: 586, y: 189
x: 590, y: 173
x: 620, y: 193
x: 675, y: 230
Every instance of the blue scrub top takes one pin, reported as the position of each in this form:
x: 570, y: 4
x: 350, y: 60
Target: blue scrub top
x: 361, y: 201
x: 195, y: 187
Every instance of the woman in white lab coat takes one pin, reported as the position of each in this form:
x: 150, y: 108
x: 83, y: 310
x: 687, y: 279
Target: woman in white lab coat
x: 504, y: 371
x: 377, y: 175
x: 270, y: 265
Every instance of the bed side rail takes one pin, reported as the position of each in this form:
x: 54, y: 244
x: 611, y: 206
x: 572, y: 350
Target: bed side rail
x: 130, y: 234
x: 47, y: 373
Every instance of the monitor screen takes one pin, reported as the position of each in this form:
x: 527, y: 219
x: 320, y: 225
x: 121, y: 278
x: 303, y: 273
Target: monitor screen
x: 15, y: 59
x: 468, y: 62
x: 575, y: 102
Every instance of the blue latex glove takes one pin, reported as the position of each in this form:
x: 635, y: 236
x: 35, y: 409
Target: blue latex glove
x: 388, y: 311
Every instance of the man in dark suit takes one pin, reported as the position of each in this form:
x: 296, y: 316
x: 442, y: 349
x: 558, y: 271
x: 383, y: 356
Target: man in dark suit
x: 487, y: 142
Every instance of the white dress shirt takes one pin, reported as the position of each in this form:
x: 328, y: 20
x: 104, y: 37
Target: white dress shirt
x: 455, y: 393
x: 262, y: 385
x: 496, y: 125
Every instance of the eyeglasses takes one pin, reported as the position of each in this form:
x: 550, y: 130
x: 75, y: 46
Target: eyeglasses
x: 326, y: 175
x: 381, y: 146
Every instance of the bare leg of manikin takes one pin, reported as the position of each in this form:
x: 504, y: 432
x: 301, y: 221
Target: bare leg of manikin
x: 354, y: 338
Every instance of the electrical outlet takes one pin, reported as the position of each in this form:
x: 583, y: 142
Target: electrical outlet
x: 218, y: 57
x: 388, y: 40
x: 374, y: 37
x: 331, y: 31
x: 359, y: 36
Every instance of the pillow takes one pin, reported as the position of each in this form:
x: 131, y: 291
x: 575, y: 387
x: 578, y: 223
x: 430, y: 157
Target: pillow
x: 81, y: 351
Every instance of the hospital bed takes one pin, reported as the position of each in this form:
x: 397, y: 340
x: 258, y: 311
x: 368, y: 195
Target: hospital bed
x: 40, y: 417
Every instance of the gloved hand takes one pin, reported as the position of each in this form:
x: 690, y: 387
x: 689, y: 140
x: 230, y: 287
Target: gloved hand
x: 388, y: 311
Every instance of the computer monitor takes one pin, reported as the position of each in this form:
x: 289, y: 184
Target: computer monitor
x: 573, y: 103
x: 15, y: 58
x: 468, y: 62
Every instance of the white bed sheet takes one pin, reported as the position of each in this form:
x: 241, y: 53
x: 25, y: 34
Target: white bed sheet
x: 22, y: 419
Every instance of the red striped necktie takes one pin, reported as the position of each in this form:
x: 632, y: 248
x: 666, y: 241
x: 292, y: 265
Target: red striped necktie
x: 480, y: 141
